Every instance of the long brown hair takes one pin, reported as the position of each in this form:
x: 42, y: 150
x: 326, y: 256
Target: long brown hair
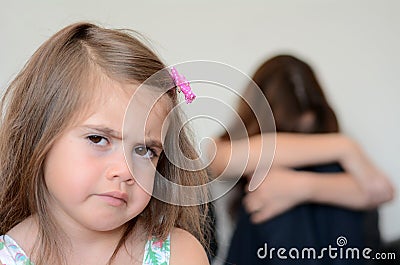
x: 295, y: 96
x: 45, y: 98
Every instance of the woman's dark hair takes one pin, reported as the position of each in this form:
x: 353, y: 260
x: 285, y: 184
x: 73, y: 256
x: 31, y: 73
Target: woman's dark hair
x: 294, y: 95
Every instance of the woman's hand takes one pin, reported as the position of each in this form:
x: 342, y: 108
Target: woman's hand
x: 285, y: 188
x: 280, y: 191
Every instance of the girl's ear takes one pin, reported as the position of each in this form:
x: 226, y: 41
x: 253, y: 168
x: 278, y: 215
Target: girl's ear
x: 306, y: 122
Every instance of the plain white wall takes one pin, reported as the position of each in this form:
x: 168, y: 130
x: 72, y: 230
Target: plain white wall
x: 353, y: 45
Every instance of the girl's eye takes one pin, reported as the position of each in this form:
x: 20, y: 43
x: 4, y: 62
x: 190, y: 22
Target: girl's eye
x: 98, y: 140
x: 145, y: 152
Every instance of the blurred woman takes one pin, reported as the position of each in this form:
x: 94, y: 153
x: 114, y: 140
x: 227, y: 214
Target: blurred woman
x: 320, y: 185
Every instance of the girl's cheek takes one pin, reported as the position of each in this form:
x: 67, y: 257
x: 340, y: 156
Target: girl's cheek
x: 144, y: 175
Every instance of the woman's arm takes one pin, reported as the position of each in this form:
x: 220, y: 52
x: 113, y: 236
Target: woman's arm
x: 254, y: 156
x: 297, y: 150
x: 283, y: 189
x: 302, y: 150
x: 292, y: 150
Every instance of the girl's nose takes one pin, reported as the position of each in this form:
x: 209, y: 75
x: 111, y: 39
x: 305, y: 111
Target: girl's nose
x: 118, y: 169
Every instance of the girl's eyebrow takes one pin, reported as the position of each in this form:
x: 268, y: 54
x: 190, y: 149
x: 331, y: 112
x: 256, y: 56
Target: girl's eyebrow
x: 154, y: 143
x: 105, y: 130
x: 118, y: 135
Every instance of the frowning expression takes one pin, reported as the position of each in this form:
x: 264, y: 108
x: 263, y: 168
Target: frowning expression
x: 86, y: 172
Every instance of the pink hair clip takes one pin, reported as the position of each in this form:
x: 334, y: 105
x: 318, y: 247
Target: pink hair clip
x: 183, y: 85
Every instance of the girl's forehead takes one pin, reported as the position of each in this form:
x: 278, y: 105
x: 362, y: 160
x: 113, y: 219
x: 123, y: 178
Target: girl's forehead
x: 103, y: 87
x: 134, y: 98
x: 119, y: 109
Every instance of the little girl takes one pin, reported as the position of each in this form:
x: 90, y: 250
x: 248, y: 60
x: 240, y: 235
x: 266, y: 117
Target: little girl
x: 68, y: 192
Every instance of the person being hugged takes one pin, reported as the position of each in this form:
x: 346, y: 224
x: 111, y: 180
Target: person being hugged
x: 69, y: 194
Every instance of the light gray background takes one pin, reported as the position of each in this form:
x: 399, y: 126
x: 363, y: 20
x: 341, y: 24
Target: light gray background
x: 353, y: 45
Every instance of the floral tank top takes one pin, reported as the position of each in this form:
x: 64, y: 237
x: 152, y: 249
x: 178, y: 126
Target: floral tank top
x: 157, y: 252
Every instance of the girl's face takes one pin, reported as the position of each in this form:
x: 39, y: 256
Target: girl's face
x: 86, y: 173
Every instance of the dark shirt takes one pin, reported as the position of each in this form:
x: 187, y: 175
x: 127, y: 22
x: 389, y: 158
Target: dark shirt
x: 306, y: 228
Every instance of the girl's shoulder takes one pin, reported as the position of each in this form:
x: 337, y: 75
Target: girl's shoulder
x: 186, y: 249
x: 11, y: 253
